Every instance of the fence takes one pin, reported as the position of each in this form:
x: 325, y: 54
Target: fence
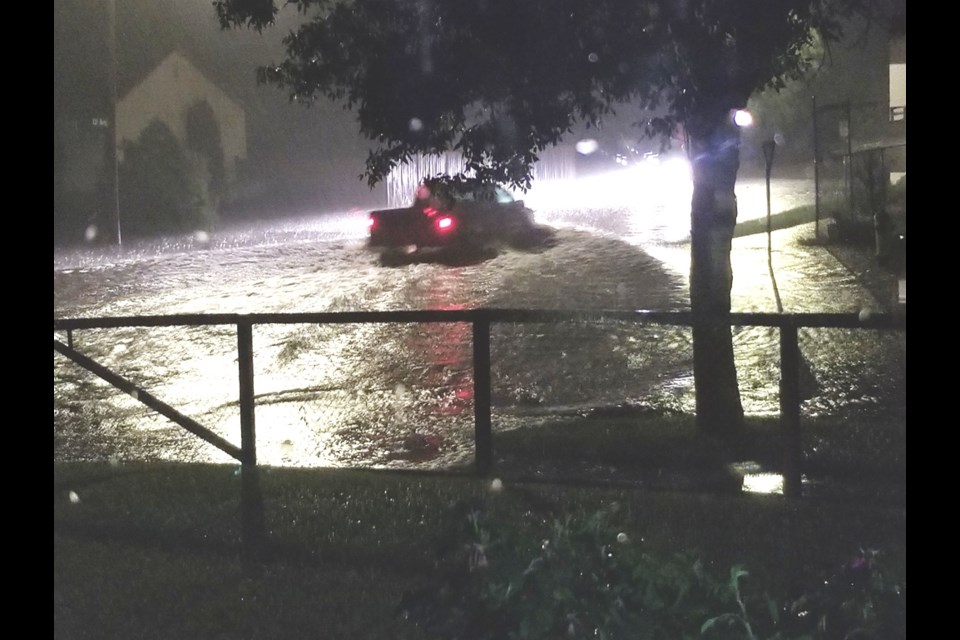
x: 858, y: 150
x: 480, y: 322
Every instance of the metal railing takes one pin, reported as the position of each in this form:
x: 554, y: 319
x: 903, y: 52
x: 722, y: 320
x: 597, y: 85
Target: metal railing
x: 481, y: 321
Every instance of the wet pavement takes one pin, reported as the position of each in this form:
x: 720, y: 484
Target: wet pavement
x: 401, y: 395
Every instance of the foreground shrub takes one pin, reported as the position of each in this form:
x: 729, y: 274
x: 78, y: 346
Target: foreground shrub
x: 590, y: 579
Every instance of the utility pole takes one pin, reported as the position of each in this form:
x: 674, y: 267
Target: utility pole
x: 112, y: 160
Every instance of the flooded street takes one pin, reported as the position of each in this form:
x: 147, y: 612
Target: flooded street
x: 401, y: 394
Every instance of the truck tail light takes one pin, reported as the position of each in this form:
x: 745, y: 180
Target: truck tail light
x: 445, y: 224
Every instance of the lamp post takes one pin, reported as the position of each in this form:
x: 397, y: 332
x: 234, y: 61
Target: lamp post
x: 769, y: 148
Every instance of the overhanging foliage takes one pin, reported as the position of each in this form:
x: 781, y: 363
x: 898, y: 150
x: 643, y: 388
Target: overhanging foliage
x: 501, y: 80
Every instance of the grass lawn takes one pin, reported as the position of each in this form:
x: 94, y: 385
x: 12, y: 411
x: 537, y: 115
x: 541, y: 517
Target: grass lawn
x: 153, y: 550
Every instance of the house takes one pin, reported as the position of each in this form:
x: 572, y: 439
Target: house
x: 167, y: 93
x: 898, y: 89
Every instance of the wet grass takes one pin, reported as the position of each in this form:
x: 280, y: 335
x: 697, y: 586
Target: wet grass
x: 153, y: 550
x: 850, y: 447
x: 781, y: 220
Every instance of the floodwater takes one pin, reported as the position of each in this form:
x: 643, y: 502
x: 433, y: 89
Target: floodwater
x: 390, y: 395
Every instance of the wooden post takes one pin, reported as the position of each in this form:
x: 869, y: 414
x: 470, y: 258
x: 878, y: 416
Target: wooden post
x: 251, y: 500
x: 790, y: 409
x: 481, y: 394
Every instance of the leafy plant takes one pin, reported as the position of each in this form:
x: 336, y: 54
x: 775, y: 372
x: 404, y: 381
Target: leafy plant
x: 163, y: 188
x: 860, y: 601
x: 588, y: 578
x: 203, y: 138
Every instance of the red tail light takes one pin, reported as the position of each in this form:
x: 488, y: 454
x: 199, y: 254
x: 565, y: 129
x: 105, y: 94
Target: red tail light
x: 371, y: 223
x: 445, y: 224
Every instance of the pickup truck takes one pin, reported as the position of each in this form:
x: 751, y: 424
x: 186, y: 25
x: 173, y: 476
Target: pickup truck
x: 477, y: 218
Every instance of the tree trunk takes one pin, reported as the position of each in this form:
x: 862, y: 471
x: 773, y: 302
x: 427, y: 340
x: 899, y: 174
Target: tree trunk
x: 715, y: 151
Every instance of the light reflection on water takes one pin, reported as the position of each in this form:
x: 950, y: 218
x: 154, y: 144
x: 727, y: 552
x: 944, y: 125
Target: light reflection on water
x: 769, y: 483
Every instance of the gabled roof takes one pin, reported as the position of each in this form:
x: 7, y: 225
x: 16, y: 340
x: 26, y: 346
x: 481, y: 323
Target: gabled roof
x: 174, y: 59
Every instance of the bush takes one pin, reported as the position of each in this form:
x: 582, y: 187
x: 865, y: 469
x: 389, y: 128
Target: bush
x: 590, y: 579
x: 163, y: 188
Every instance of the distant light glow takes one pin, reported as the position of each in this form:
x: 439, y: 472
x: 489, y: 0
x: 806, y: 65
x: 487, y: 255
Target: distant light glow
x: 763, y: 483
x: 90, y: 233
x: 742, y: 118
x: 587, y: 146
x: 416, y: 124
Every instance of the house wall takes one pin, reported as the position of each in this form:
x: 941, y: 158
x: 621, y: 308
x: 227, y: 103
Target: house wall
x: 898, y: 78
x: 167, y: 93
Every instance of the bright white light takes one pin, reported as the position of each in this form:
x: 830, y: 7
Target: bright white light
x: 763, y: 483
x: 742, y: 118
x: 416, y: 124
x: 676, y: 172
x: 665, y: 175
x: 74, y: 498
x: 90, y: 233
x: 657, y: 182
x: 201, y: 236
x: 587, y: 146
x: 496, y: 485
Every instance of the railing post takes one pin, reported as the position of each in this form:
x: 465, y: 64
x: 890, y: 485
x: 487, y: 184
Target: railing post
x: 251, y: 500
x: 481, y: 393
x: 790, y: 409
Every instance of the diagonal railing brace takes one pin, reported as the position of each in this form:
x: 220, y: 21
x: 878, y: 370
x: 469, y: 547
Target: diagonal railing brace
x: 150, y: 400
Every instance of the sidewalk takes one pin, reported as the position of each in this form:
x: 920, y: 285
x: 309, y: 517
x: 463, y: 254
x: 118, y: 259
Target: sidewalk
x: 881, y: 282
